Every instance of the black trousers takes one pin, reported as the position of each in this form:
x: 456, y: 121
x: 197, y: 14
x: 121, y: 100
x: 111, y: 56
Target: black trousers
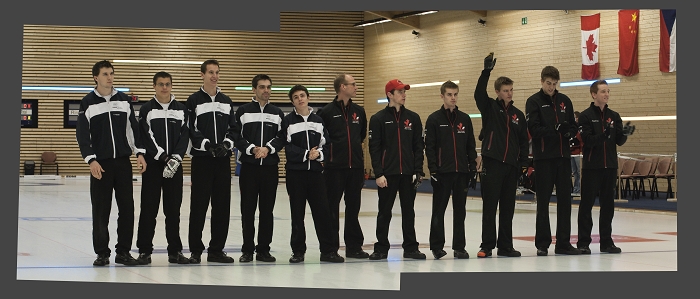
x: 258, y: 185
x: 347, y: 184
x: 601, y: 183
x: 403, y: 184
x: 211, y: 182
x: 117, y: 176
x: 152, y: 185
x: 498, y: 184
x: 303, y: 186
x: 455, y: 184
x: 551, y: 172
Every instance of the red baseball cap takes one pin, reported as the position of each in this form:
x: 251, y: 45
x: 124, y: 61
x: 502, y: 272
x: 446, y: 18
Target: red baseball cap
x: 396, y: 84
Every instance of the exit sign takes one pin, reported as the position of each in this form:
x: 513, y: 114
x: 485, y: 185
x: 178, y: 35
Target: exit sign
x: 524, y: 21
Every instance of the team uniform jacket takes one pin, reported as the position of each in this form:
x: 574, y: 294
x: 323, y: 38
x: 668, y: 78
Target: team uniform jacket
x: 258, y: 126
x: 396, y: 142
x: 107, y: 128
x: 301, y: 135
x: 504, y: 127
x: 449, y: 142
x: 164, y: 131
x: 599, y: 151
x: 543, y: 113
x: 210, y: 120
x: 347, y: 129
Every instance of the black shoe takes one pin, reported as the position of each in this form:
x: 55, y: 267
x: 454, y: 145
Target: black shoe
x: 195, y: 258
x: 219, y: 257
x: 246, y: 257
x: 438, y: 253
x: 611, y: 249
x: 144, y: 258
x: 585, y: 250
x: 178, y: 258
x: 542, y: 252
x: 483, y: 253
x: 126, y: 259
x: 332, y: 257
x: 414, y: 255
x: 296, y: 258
x: 361, y: 254
x: 378, y: 255
x: 265, y: 257
x: 568, y: 250
x: 461, y: 254
x: 509, y: 252
x: 102, y: 260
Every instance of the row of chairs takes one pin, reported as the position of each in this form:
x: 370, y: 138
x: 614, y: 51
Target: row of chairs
x: 635, y: 171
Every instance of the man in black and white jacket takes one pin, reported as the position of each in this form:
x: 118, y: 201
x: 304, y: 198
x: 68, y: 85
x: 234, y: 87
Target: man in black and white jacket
x: 305, y: 140
x: 257, y: 125
x: 107, y: 134
x: 211, y: 124
x: 163, y: 122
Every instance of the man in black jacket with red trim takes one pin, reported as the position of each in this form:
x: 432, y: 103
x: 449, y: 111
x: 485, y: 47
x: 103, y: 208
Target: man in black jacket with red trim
x: 551, y: 122
x: 344, y: 168
x: 504, y: 151
x: 396, y: 147
x: 602, y: 132
x: 451, y: 151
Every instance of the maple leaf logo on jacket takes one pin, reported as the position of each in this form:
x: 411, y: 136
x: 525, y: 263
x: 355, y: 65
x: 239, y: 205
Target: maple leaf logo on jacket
x: 407, y: 125
x: 514, y: 119
x: 460, y: 128
x: 563, y: 107
x: 355, y: 118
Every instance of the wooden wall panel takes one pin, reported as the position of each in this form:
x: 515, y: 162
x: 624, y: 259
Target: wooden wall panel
x: 310, y: 49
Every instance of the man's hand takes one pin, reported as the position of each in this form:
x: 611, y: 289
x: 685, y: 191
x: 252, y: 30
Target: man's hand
x: 489, y: 62
x: 627, y: 129
x: 314, y: 153
x: 471, y: 180
x: 261, y: 152
x: 96, y: 169
x: 381, y: 182
x: 170, y: 169
x: 417, y: 180
x: 218, y: 150
x: 141, y: 163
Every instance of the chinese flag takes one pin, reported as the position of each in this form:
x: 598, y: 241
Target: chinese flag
x: 628, y: 27
x: 590, y: 28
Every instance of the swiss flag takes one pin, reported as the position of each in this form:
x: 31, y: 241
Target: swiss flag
x: 628, y: 28
x: 590, y: 28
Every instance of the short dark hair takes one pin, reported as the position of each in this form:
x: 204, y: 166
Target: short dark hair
x: 502, y: 81
x: 161, y: 74
x: 99, y: 65
x: 446, y: 85
x: 339, y: 80
x: 594, y: 86
x: 550, y: 72
x: 576, y: 114
x: 296, y: 88
x: 203, y: 68
x: 260, y: 77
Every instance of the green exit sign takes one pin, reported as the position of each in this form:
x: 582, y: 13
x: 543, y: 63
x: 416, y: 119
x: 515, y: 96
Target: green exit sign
x: 524, y: 21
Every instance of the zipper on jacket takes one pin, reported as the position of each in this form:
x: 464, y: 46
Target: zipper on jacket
x: 605, y: 141
x: 111, y: 129
x: 347, y: 127
x: 166, y: 132
x: 556, y: 118
x: 505, y: 154
x: 262, y: 128
x: 454, y: 139
x: 308, y: 147
x: 397, y: 116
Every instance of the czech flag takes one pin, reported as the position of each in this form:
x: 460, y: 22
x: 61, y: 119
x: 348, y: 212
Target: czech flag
x: 667, y: 50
